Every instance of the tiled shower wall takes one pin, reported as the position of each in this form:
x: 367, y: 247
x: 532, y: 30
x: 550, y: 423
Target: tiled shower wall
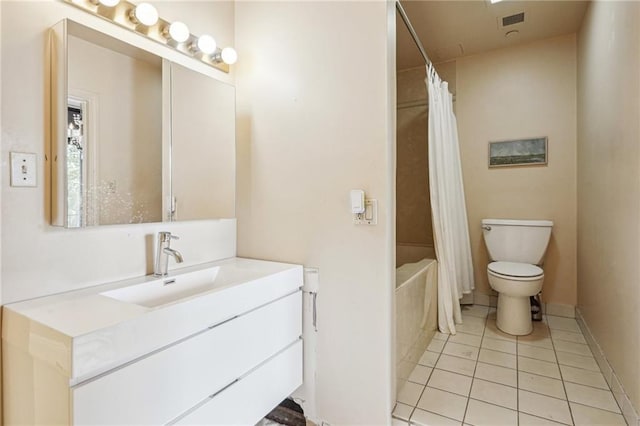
x: 413, y: 224
x: 413, y: 221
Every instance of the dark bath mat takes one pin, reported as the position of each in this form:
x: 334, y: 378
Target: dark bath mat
x: 288, y: 413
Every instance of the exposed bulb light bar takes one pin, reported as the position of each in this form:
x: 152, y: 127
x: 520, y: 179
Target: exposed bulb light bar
x: 495, y: 1
x: 145, y: 14
x: 109, y: 3
x: 143, y: 19
x: 206, y: 44
x: 229, y: 55
x: 178, y: 31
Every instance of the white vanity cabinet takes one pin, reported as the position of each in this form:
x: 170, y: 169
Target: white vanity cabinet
x: 231, y: 371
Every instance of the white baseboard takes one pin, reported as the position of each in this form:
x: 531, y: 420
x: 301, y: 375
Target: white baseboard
x: 628, y: 411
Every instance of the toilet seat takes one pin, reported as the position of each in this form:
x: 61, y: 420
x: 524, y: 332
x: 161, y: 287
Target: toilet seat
x: 515, y: 271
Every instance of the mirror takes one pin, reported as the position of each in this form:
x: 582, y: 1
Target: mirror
x: 202, y: 146
x: 135, y: 138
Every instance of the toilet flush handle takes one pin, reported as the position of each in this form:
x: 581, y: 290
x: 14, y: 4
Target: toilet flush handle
x: 486, y: 227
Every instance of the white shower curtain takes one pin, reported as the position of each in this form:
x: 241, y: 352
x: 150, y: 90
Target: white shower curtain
x: 449, y: 212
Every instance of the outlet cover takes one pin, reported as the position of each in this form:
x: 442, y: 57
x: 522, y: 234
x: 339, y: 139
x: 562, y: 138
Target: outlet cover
x: 370, y: 215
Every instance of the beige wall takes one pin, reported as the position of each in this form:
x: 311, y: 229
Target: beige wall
x: 316, y: 94
x: 38, y: 259
x: 609, y: 184
x: 520, y: 92
x: 2, y: 181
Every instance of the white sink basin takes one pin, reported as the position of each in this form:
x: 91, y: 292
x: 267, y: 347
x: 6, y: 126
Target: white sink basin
x: 165, y: 290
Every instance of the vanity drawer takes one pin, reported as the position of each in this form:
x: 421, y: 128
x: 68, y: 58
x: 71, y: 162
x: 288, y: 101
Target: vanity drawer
x: 246, y: 401
x: 162, y: 386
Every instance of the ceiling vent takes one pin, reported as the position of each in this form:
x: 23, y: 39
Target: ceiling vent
x: 517, y: 18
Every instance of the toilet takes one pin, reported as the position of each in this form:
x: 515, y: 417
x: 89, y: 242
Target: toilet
x: 516, y: 248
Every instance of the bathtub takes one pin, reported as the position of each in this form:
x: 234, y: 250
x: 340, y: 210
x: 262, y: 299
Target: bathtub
x: 416, y: 314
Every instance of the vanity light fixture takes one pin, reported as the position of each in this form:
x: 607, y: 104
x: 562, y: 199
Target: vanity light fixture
x: 145, y: 14
x: 108, y: 3
x: 229, y: 55
x: 177, y: 31
x: 206, y: 44
x: 143, y: 19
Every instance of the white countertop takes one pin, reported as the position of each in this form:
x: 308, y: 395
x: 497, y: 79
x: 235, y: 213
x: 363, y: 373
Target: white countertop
x: 104, y: 332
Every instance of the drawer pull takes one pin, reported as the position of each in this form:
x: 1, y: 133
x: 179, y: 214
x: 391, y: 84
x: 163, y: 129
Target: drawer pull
x: 223, y: 322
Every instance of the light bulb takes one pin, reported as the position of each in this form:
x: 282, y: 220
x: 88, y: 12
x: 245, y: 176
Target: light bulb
x: 146, y: 14
x: 179, y: 32
x: 109, y: 3
x: 229, y: 55
x: 206, y: 44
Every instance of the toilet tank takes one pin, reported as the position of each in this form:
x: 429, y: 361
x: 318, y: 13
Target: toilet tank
x: 523, y: 241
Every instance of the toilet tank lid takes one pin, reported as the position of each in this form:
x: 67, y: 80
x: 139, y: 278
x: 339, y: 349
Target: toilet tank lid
x: 517, y: 222
x: 514, y: 269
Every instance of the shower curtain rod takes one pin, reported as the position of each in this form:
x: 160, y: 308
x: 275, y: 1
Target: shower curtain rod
x: 405, y: 18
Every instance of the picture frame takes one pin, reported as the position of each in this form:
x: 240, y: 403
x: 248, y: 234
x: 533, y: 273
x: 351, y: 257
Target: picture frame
x: 518, y: 152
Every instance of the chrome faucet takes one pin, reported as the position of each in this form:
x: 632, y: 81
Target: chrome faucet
x: 162, y: 254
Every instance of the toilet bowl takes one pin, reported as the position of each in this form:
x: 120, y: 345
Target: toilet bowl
x: 516, y: 248
x: 515, y: 283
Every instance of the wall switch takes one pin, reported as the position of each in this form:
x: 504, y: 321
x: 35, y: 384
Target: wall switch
x: 370, y: 215
x: 23, y: 169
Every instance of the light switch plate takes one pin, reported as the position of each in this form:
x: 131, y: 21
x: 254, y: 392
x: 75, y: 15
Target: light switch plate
x: 23, y: 169
x: 370, y: 215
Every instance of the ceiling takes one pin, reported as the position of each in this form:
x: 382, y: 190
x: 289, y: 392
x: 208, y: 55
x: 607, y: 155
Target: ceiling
x: 454, y: 28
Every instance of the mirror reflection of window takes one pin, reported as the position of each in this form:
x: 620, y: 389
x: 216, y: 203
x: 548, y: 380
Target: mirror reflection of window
x: 122, y: 164
x: 76, y: 182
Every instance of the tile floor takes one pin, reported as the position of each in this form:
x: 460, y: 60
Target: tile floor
x: 482, y: 376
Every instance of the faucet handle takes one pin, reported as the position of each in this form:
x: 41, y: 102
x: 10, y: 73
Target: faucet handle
x: 166, y: 236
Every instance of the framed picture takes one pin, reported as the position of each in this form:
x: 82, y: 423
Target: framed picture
x: 518, y: 152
